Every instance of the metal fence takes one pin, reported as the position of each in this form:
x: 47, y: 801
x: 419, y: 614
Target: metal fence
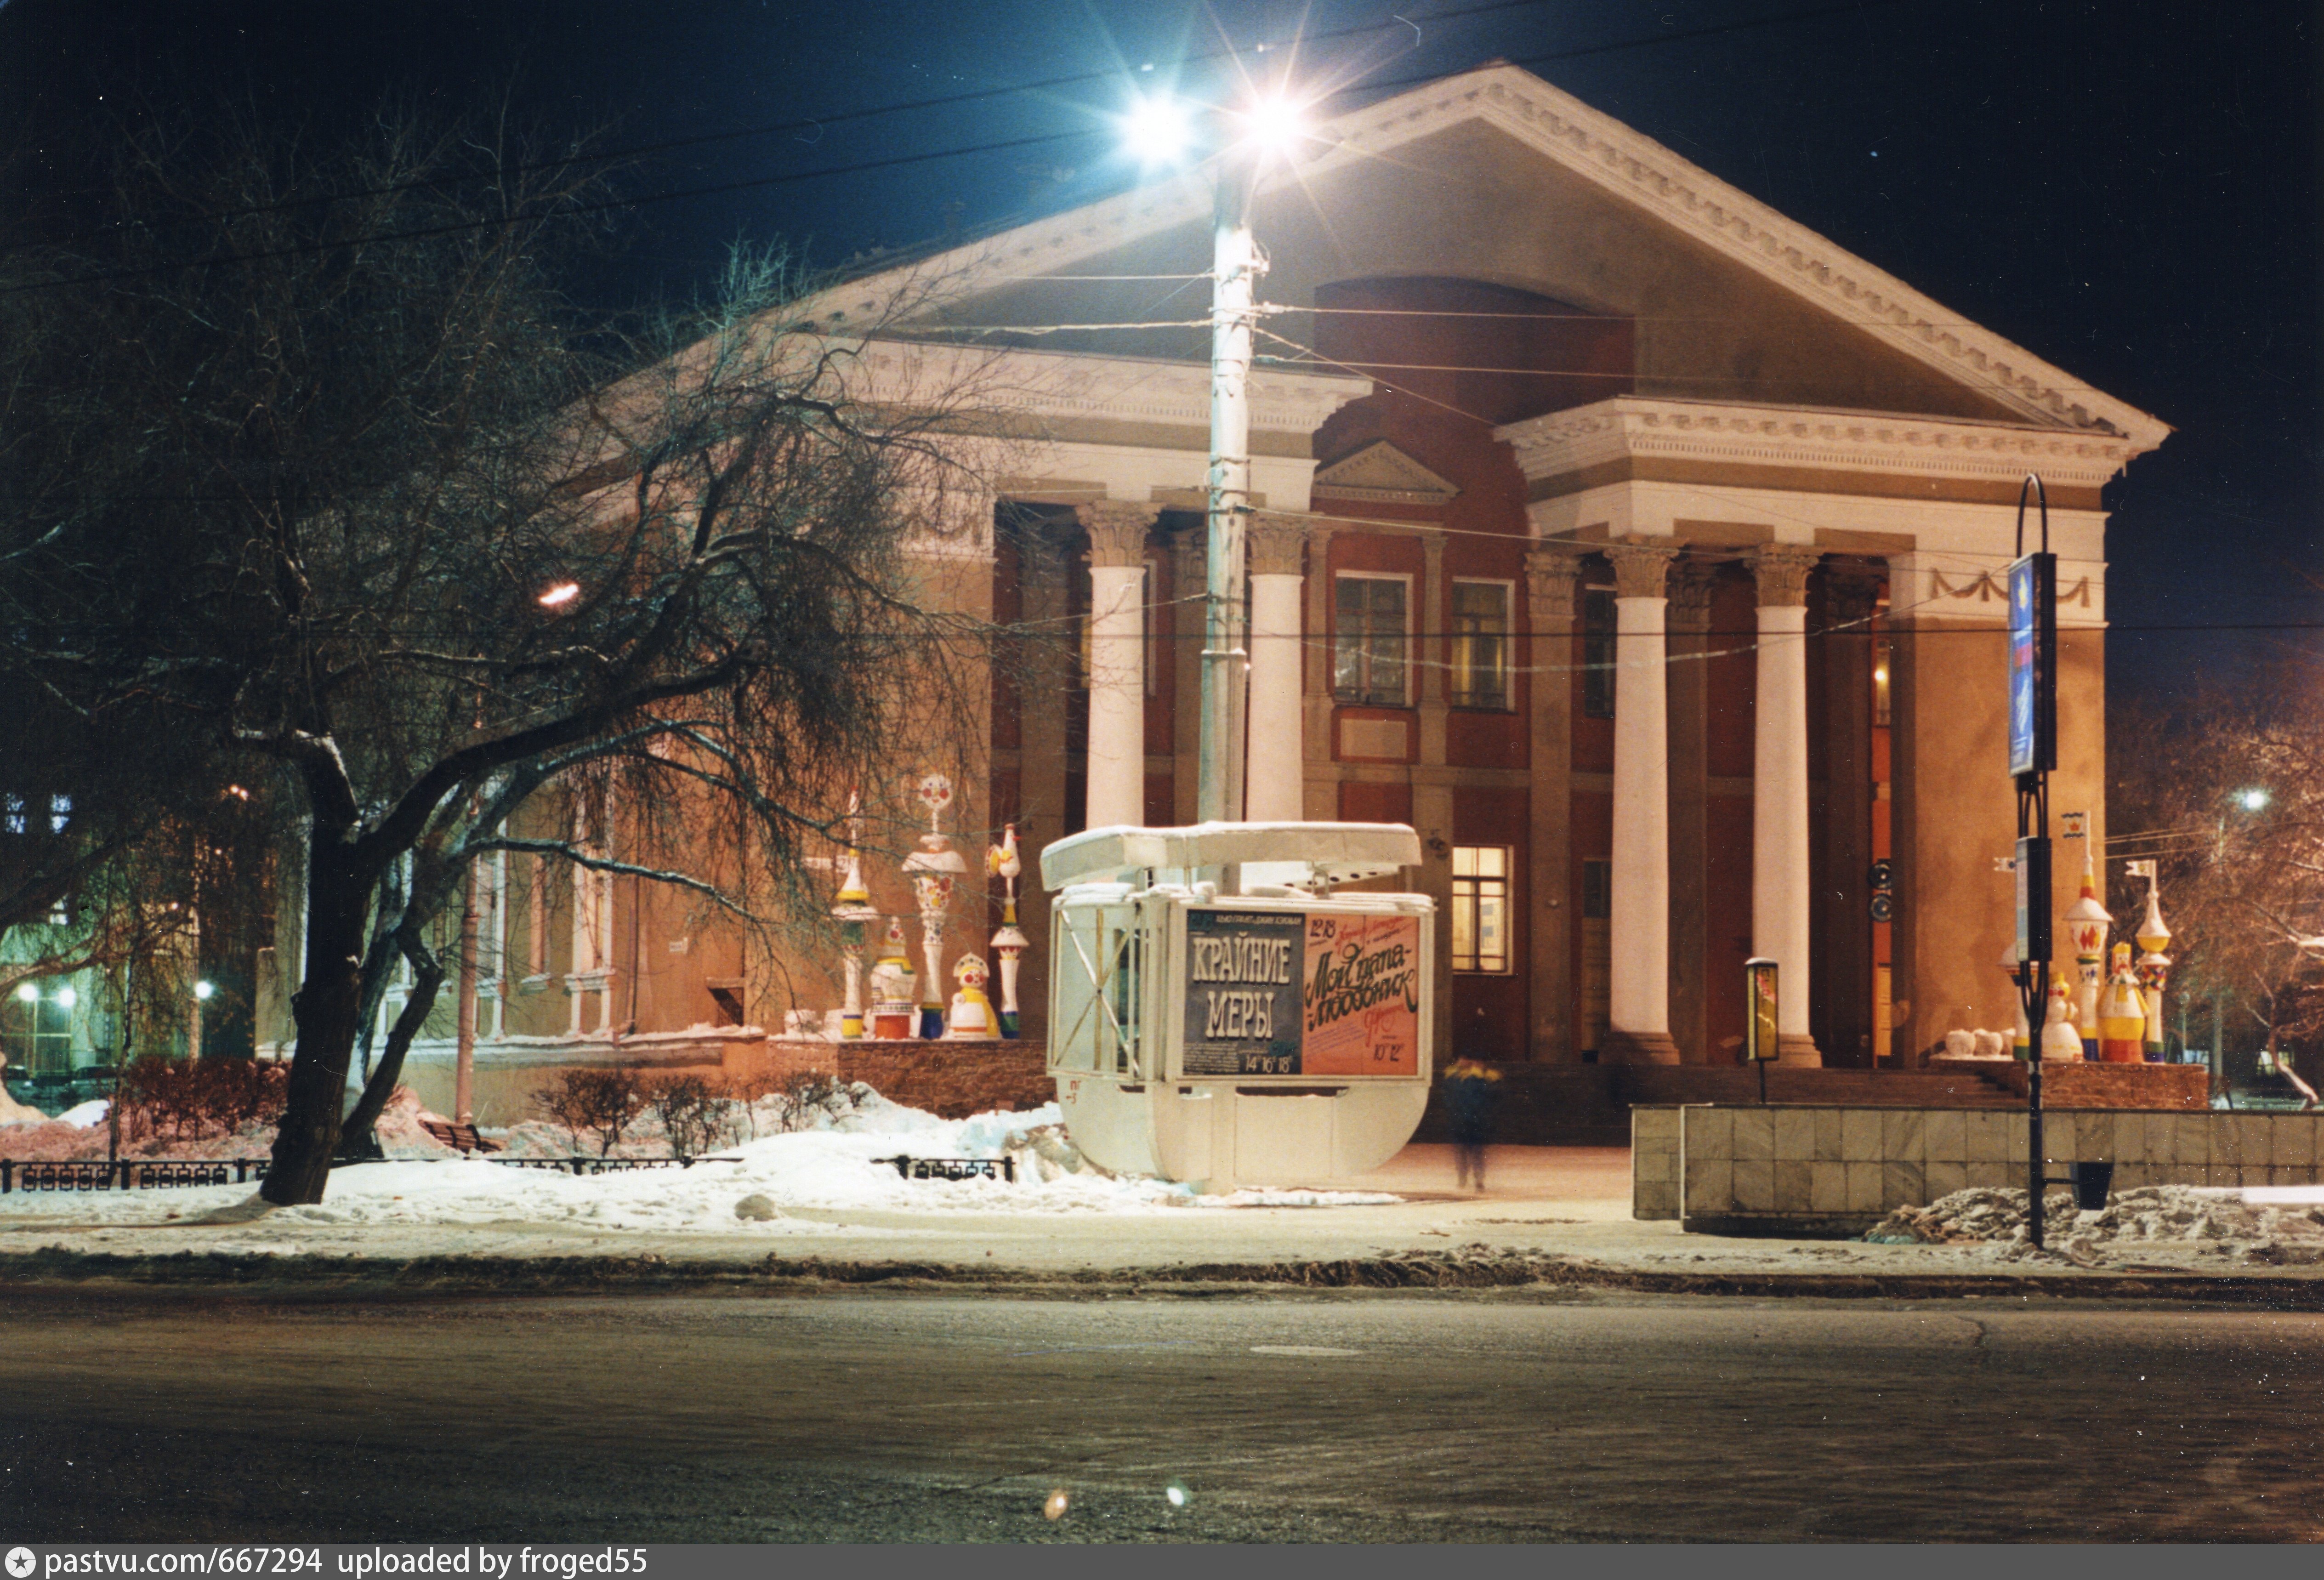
x: 912, y: 1167
x: 129, y: 1174
x: 604, y: 1164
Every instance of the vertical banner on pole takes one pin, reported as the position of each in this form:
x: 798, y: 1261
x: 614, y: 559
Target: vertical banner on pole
x: 2034, y: 664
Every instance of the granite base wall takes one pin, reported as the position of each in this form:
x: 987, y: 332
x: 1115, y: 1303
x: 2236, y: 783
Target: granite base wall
x: 1816, y: 1170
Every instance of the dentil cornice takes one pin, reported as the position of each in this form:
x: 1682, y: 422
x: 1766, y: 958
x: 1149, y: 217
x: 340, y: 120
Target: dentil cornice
x: 1632, y: 427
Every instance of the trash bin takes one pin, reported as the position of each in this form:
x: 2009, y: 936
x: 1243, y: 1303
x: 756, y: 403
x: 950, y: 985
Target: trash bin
x: 2091, y: 1183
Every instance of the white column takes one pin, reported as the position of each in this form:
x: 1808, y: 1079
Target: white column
x: 1779, y: 789
x: 1638, y: 996
x: 1117, y: 682
x: 1274, y: 787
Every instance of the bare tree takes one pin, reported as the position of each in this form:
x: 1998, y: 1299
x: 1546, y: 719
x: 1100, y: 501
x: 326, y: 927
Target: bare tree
x: 2227, y: 793
x: 395, y: 518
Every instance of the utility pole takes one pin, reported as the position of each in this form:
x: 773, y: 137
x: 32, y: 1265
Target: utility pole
x: 1236, y: 268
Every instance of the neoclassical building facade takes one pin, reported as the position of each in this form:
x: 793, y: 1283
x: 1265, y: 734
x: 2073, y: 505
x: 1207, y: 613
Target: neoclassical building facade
x: 1639, y: 547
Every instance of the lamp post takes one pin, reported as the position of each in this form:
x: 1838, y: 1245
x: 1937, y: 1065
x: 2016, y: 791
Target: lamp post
x: 1157, y: 130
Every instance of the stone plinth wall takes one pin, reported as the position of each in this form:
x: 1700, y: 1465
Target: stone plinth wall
x: 2068, y: 1084
x: 953, y: 1079
x: 1817, y: 1170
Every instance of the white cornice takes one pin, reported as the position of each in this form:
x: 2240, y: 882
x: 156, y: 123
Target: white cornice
x: 1603, y: 150
x: 1634, y: 426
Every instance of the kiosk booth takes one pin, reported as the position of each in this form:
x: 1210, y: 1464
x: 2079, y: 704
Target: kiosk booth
x: 1218, y: 1015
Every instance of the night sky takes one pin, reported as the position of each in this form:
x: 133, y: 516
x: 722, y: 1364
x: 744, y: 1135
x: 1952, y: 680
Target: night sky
x: 2128, y: 190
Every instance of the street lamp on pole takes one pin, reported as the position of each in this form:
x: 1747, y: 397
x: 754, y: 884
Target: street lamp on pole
x: 1268, y: 127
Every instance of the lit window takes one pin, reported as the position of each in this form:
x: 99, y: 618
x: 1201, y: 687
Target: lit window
x: 1367, y: 642
x: 12, y: 814
x: 59, y: 813
x: 1598, y: 652
x: 1480, y: 908
x: 1480, y: 644
x: 36, y: 1030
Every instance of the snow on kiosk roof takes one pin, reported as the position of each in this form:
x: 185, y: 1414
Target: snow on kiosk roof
x: 1341, y: 853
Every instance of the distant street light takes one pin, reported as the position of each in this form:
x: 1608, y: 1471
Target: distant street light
x: 2252, y: 801
x: 203, y: 990
x: 66, y: 998
x: 28, y: 993
x: 562, y: 594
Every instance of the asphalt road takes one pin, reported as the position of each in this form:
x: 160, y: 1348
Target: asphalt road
x: 1363, y: 1419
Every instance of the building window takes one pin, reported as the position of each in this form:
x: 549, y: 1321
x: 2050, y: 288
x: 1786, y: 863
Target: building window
x: 36, y: 1028
x: 1480, y: 644
x: 1598, y: 652
x: 1367, y: 642
x: 1480, y: 908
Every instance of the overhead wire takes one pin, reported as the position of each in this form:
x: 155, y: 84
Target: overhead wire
x: 721, y: 188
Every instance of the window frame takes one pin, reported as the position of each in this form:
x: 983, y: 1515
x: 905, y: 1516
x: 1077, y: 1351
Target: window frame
x: 1369, y: 697
x: 1458, y: 640
x: 1470, y: 893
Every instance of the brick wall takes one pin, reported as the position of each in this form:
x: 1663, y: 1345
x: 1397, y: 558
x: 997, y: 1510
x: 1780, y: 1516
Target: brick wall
x: 948, y: 1079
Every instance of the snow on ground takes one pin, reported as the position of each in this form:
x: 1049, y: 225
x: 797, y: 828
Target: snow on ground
x: 835, y: 1166
x: 2278, y: 1225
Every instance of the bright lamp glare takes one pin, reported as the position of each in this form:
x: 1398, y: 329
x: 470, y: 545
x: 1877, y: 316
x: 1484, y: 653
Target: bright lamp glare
x: 28, y: 993
x: 66, y: 998
x: 562, y: 594
x: 202, y: 990
x: 2253, y: 801
x: 1275, y: 123
x: 1156, y: 130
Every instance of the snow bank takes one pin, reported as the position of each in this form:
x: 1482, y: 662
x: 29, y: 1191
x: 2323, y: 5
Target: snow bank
x: 834, y: 1167
x: 2279, y: 1225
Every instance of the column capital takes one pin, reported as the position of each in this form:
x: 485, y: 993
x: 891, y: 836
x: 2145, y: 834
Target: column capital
x: 1692, y: 585
x: 1782, y: 571
x: 1641, y: 570
x: 1552, y: 578
x: 1117, y: 529
x: 1275, y: 543
x: 1853, y: 589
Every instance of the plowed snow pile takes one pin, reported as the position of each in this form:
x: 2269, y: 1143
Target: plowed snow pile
x: 836, y: 1165
x: 2279, y: 1226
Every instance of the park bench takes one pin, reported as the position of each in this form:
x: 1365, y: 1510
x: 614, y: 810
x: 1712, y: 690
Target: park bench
x: 460, y: 1138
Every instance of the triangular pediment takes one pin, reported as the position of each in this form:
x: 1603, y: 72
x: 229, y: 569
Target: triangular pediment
x: 1494, y: 176
x: 1381, y: 473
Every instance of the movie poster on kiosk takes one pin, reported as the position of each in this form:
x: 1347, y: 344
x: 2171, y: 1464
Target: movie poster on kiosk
x: 1360, y: 1005
x: 1242, y: 993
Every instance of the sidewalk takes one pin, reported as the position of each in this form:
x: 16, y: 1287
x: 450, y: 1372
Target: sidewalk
x: 1555, y: 1219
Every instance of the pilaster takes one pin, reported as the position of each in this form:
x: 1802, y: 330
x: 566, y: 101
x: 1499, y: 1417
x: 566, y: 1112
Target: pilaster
x: 1552, y: 578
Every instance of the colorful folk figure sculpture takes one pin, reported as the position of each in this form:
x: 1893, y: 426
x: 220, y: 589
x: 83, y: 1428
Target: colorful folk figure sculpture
x: 2088, y: 920
x: 2060, y: 1041
x: 2122, y: 1014
x: 1003, y: 862
x: 853, y: 912
x: 893, y: 1001
x: 972, y: 1012
x: 933, y: 869
x: 2154, y: 965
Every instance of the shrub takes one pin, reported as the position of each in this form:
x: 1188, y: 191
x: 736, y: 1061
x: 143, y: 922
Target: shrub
x: 193, y: 1098
x: 693, y: 1113
x: 604, y: 1102
x: 803, y: 1093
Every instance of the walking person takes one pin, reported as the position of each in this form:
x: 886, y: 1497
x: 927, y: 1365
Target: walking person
x: 1468, y: 1099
